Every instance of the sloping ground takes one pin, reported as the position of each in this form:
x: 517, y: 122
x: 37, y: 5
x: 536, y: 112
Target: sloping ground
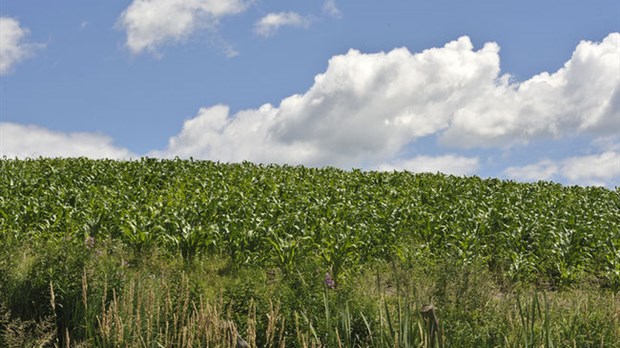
x: 281, y: 215
x: 324, y: 256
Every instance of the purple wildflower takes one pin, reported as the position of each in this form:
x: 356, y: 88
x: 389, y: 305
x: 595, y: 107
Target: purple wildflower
x: 89, y: 242
x: 329, y: 282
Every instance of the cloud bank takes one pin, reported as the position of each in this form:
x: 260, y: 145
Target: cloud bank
x: 382, y: 110
x: 365, y: 109
x: 13, y: 47
x: 32, y: 141
x: 150, y: 24
x: 590, y: 170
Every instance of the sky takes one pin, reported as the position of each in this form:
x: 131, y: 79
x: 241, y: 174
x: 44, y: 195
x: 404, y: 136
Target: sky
x: 525, y: 91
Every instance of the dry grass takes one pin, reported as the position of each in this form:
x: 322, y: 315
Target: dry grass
x: 151, y: 309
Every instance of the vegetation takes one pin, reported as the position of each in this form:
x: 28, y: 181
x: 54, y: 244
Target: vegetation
x: 191, y: 253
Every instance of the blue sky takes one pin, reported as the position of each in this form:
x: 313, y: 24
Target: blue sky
x: 524, y: 90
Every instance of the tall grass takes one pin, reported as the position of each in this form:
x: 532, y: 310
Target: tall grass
x: 387, y: 306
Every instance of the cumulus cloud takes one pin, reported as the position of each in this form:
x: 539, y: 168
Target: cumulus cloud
x: 13, y: 48
x: 448, y: 164
x: 366, y: 109
x: 23, y: 141
x: 581, y: 97
x: 214, y: 135
x: 270, y: 23
x: 362, y: 110
x: 152, y: 23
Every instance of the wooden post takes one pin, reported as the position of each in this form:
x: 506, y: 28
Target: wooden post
x: 431, y: 323
x: 241, y: 343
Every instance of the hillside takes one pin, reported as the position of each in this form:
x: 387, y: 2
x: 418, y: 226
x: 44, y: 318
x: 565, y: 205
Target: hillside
x: 65, y: 220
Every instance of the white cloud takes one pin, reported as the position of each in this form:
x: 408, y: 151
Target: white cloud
x: 448, y: 164
x: 597, y: 169
x: 329, y: 7
x: 270, y: 23
x: 212, y: 134
x: 365, y: 109
x: 13, y: 48
x: 602, y: 166
x: 583, y: 97
x: 152, y: 23
x: 361, y: 111
x: 542, y: 170
x: 24, y: 141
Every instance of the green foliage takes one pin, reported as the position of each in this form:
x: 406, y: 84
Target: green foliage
x: 264, y: 237
x: 115, y: 297
x: 281, y: 215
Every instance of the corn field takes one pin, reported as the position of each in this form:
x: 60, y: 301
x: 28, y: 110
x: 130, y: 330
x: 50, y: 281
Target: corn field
x: 280, y: 220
